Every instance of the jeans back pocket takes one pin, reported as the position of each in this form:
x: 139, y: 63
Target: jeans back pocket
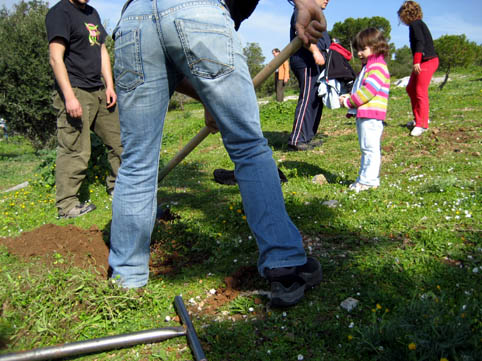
x: 208, y: 47
x: 128, y: 70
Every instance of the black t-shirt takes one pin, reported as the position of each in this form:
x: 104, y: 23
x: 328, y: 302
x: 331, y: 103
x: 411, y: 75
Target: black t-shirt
x: 240, y: 10
x: 303, y: 58
x: 83, y: 33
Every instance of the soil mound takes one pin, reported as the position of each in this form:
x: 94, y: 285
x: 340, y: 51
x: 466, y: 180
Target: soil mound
x: 57, y: 245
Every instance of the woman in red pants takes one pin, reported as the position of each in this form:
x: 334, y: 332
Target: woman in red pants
x: 425, y: 63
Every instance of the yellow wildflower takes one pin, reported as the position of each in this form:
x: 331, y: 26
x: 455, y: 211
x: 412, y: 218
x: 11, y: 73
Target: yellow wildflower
x: 412, y: 346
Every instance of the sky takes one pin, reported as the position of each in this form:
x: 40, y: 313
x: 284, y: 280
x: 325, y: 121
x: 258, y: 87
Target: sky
x: 269, y: 24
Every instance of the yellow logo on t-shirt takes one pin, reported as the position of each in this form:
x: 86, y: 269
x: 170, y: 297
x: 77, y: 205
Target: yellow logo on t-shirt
x: 94, y: 34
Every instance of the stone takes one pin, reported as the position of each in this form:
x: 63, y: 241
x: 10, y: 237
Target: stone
x: 349, y: 304
x: 331, y: 203
x: 319, y: 179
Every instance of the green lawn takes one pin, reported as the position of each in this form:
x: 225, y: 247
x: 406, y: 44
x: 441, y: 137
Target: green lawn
x: 410, y: 252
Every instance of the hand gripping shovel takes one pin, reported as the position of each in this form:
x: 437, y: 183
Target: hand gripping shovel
x: 118, y: 341
x: 259, y: 79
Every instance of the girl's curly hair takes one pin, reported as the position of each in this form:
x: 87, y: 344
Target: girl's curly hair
x: 374, y: 39
x: 409, y: 12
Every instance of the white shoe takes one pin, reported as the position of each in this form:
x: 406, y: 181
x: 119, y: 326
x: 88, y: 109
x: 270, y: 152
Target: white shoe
x: 417, y: 131
x: 359, y: 187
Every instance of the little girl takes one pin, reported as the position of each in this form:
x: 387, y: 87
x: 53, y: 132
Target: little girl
x: 425, y: 63
x: 368, y: 101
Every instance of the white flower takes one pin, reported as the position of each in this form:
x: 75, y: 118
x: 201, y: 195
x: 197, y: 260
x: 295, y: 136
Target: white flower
x: 284, y: 314
x: 251, y: 309
x: 351, y: 325
x: 475, y: 270
x: 167, y: 319
x: 212, y: 291
x: 300, y: 357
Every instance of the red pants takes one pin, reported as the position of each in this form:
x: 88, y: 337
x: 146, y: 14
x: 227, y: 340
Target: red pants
x: 417, y: 90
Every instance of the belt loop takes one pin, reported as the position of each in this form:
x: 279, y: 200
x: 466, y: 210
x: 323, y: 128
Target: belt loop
x: 122, y: 12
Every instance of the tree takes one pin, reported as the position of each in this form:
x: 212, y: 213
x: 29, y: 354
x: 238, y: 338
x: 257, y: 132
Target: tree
x: 345, y: 31
x: 26, y: 80
x: 455, y: 51
x: 254, y: 58
x: 401, y: 65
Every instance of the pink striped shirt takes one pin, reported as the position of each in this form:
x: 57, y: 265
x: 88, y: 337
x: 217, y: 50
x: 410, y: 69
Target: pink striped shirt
x: 371, y: 100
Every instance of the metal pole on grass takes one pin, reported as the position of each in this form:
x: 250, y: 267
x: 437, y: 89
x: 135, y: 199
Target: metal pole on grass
x: 118, y: 341
x: 96, y: 345
x: 269, y: 69
x: 194, y: 343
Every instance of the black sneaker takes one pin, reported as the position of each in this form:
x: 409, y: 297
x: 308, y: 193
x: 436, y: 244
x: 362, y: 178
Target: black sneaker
x: 224, y: 176
x: 301, y: 147
x: 78, y: 210
x: 288, y: 284
x: 310, y: 272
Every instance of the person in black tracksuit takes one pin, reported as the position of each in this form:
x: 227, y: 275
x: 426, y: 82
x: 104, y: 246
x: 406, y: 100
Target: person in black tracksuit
x: 307, y: 64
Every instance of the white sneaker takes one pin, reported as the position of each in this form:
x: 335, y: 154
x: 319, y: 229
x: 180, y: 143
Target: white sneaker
x: 417, y: 131
x: 359, y: 187
x: 411, y: 123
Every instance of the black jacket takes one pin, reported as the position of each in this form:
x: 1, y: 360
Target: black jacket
x: 421, y: 40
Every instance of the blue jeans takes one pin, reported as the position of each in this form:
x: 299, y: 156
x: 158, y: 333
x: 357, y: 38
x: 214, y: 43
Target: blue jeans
x: 369, y: 137
x: 157, y: 43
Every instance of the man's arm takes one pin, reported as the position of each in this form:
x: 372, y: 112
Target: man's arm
x: 107, y: 75
x: 56, y: 59
x: 310, y: 23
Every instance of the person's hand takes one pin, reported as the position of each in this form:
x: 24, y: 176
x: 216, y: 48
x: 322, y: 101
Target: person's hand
x: 417, y: 68
x: 111, y: 97
x: 210, y: 122
x: 342, y: 99
x: 310, y: 23
x: 73, y: 107
x: 319, y: 59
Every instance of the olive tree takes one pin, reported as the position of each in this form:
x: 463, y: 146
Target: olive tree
x: 26, y: 80
x: 455, y: 51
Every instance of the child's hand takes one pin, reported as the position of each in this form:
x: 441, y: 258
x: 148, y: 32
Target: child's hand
x: 342, y: 99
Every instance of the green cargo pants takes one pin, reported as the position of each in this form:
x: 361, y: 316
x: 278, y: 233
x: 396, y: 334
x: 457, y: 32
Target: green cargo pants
x: 74, y: 148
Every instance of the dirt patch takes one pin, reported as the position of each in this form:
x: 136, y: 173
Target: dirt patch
x: 458, y: 140
x: 60, y: 245
x: 246, y: 281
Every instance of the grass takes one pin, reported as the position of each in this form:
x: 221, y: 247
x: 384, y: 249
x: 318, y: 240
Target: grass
x: 409, y: 252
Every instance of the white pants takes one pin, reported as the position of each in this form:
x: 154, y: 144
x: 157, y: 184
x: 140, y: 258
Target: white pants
x: 369, y: 137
